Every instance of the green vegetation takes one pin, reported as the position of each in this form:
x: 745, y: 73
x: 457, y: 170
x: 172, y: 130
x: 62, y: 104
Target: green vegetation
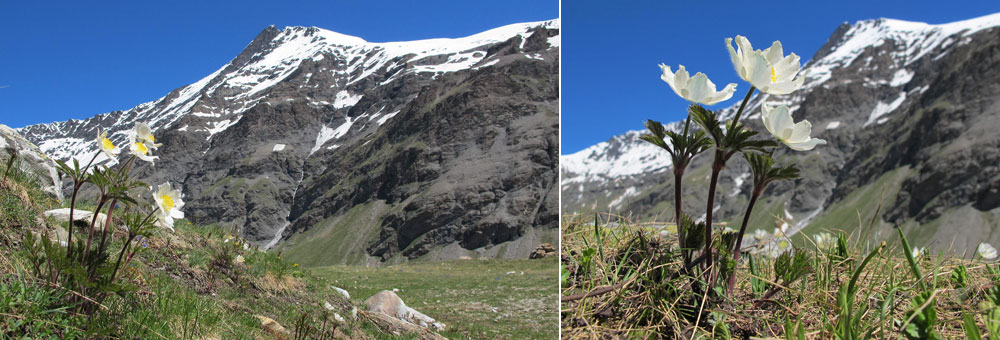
x: 477, y: 299
x: 843, y: 289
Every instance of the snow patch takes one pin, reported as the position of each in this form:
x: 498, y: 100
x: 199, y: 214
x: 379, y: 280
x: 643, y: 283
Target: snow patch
x: 882, y: 109
x: 278, y: 147
x: 832, y: 125
x: 901, y: 77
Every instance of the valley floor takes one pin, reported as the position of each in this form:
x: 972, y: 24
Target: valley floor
x: 476, y: 299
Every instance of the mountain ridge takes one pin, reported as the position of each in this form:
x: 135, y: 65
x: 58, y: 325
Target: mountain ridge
x: 871, y: 80
x: 246, y: 140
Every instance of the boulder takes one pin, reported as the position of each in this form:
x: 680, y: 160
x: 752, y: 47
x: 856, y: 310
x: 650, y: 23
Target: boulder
x: 272, y: 327
x: 32, y: 160
x: 84, y: 216
x: 543, y: 250
x: 388, y: 303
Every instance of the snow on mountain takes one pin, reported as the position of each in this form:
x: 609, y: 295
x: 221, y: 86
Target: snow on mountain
x: 623, y: 155
x: 219, y: 99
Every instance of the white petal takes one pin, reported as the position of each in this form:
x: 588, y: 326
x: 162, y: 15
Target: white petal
x: 800, y: 131
x: 699, y: 88
x: 668, y: 76
x: 721, y: 96
x: 759, y: 72
x: 737, y: 59
x: 774, y: 54
x: 806, y: 145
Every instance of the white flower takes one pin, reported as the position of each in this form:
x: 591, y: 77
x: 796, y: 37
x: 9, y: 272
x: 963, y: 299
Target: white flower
x: 239, y: 258
x: 760, y: 235
x: 823, y: 240
x: 107, y: 147
x: 697, y: 89
x: 917, y: 251
x: 246, y: 246
x: 145, y: 135
x: 987, y: 251
x: 168, y: 204
x: 779, y: 123
x: 140, y: 149
x: 770, y: 71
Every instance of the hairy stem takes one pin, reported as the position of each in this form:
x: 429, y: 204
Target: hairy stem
x: 743, y: 105
x: 739, y: 239
x: 681, y: 234
x: 716, y: 168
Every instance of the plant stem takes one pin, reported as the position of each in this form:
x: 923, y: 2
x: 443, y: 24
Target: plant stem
x: 128, y: 241
x: 717, y: 166
x: 90, y: 234
x: 107, y: 222
x: 739, y: 239
x: 681, y: 235
x: 743, y: 105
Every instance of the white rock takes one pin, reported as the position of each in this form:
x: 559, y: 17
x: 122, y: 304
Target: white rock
x: 85, y: 216
x: 387, y: 302
x: 33, y: 160
x: 342, y: 292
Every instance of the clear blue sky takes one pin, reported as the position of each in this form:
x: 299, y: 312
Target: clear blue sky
x: 75, y: 59
x: 610, y: 51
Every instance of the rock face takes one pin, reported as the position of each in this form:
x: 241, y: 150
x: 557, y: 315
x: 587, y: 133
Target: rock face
x: 32, y: 159
x: 338, y: 150
x: 910, y: 112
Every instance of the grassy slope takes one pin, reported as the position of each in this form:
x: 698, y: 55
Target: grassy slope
x: 628, y: 313
x: 183, y: 294
x: 464, y: 293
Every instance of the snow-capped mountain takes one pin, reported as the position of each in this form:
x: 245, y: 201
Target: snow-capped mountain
x: 907, y: 106
x: 253, y: 142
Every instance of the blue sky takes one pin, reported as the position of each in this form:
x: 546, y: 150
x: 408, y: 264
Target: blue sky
x: 75, y: 59
x: 610, y: 79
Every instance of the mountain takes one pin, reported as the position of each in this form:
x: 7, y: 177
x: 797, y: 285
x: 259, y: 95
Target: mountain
x: 911, y: 114
x: 333, y: 149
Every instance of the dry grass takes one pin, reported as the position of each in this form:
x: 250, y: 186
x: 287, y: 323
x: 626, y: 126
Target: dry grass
x: 649, y: 304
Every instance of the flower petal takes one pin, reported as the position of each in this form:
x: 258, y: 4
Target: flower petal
x: 774, y: 54
x: 807, y: 145
x: 800, y: 132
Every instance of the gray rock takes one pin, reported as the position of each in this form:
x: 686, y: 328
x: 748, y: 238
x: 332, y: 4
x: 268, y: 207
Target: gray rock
x: 387, y: 302
x: 33, y: 160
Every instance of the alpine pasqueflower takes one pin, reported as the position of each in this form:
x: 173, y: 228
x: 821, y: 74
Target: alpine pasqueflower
x: 239, y: 259
x: 107, y: 147
x: 145, y: 134
x: 987, y: 251
x: 140, y: 149
x: 168, y: 204
x: 770, y: 71
x: 779, y: 123
x: 698, y: 89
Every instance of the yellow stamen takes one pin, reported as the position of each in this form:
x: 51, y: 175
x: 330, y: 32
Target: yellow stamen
x: 168, y: 202
x: 153, y: 139
x: 142, y: 148
x: 108, y: 145
x: 774, y: 77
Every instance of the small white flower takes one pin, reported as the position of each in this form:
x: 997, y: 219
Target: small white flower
x: 987, y: 251
x: 145, y: 134
x: 916, y: 252
x: 823, y: 240
x: 697, y: 89
x: 107, y: 147
x: 779, y: 123
x: 770, y: 71
x: 168, y: 204
x: 140, y: 149
x: 239, y: 259
x: 760, y: 235
x: 246, y: 246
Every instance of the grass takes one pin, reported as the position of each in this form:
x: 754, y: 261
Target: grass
x: 476, y: 299
x: 185, y: 285
x: 840, y: 295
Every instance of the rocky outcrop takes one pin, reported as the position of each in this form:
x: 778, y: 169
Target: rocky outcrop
x: 32, y: 159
